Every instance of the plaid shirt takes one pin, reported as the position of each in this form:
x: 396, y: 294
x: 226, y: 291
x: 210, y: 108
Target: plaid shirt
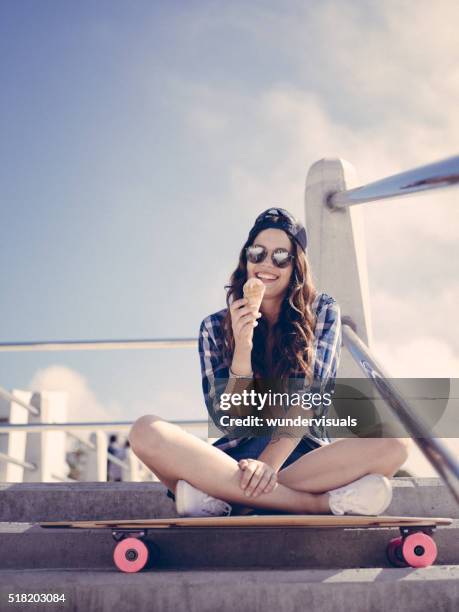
x: 327, y: 349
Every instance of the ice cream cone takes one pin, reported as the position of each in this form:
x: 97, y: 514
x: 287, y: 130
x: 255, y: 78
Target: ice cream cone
x: 254, y: 290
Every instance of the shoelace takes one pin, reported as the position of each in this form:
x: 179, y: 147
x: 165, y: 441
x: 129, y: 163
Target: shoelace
x: 346, y: 496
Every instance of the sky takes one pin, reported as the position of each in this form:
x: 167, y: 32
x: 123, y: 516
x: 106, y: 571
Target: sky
x: 140, y: 141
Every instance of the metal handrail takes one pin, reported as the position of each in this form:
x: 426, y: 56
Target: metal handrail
x: 10, y: 397
x: 24, y: 464
x: 98, y: 345
x: 88, y: 426
x: 82, y: 441
x: 117, y: 461
x: 433, y: 449
x: 63, y: 478
x: 444, y: 173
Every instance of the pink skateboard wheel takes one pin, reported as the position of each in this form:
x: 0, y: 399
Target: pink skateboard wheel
x: 394, y: 552
x: 130, y: 555
x: 419, y: 550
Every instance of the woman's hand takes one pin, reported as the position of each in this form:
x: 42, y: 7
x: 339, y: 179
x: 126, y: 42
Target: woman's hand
x: 243, y: 321
x: 257, y: 477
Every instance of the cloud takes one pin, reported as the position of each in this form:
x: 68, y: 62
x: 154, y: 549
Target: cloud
x: 407, y: 322
x: 83, y: 404
x: 376, y: 97
x: 372, y: 95
x: 422, y: 357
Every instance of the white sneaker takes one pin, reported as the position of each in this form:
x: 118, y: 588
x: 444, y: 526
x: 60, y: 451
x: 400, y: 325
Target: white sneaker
x: 190, y: 501
x: 369, y: 495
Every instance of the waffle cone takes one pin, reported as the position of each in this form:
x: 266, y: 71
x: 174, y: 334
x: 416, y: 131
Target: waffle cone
x: 254, y: 291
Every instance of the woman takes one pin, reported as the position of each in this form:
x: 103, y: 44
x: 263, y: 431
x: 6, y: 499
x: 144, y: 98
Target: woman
x: 296, y: 333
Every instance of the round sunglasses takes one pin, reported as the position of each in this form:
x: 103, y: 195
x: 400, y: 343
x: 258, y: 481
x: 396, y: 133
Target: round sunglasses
x: 256, y: 253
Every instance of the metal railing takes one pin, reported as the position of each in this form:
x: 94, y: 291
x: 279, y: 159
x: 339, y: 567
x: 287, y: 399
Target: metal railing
x: 433, y: 449
x: 10, y: 397
x: 24, y: 464
x: 438, y: 175
x: 86, y: 426
x: 70, y: 429
x: 98, y: 345
x: 117, y: 461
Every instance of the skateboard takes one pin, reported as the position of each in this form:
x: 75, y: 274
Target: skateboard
x: 414, y: 547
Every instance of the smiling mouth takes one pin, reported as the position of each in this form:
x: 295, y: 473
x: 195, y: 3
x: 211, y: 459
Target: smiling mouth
x: 265, y: 277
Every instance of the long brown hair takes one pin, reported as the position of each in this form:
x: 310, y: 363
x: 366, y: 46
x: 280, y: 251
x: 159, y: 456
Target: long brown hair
x: 293, y: 332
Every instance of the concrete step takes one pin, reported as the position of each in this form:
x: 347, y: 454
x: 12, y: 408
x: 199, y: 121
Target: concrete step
x: 359, y: 590
x: 26, y: 546
x: 95, y: 501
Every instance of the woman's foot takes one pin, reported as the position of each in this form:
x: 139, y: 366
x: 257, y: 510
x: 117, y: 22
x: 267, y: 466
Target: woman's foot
x: 369, y: 495
x: 190, y: 501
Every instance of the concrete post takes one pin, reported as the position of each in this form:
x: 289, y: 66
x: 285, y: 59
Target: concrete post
x: 133, y: 474
x: 48, y: 448
x: 336, y: 249
x: 14, y: 443
x: 95, y: 468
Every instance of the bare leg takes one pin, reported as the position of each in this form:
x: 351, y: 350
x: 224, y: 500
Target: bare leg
x: 168, y: 482
x: 344, y: 461
x: 174, y: 454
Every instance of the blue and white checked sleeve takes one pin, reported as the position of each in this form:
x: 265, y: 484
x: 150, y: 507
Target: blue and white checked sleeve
x: 327, y: 345
x: 214, y: 370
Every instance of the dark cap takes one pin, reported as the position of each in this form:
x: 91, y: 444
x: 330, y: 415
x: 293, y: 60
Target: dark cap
x: 278, y: 218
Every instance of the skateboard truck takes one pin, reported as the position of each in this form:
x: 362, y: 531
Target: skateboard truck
x: 121, y: 534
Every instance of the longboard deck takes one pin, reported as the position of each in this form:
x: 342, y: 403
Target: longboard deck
x: 414, y: 547
x: 253, y: 520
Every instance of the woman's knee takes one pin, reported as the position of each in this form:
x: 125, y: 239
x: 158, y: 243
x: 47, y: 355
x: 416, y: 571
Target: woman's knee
x: 394, y: 453
x: 146, y: 434
x: 400, y: 448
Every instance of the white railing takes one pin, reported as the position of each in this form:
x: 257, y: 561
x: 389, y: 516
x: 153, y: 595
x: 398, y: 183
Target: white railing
x: 24, y: 464
x: 11, y: 398
x: 97, y: 445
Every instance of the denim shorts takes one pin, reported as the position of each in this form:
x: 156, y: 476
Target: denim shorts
x: 253, y: 447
